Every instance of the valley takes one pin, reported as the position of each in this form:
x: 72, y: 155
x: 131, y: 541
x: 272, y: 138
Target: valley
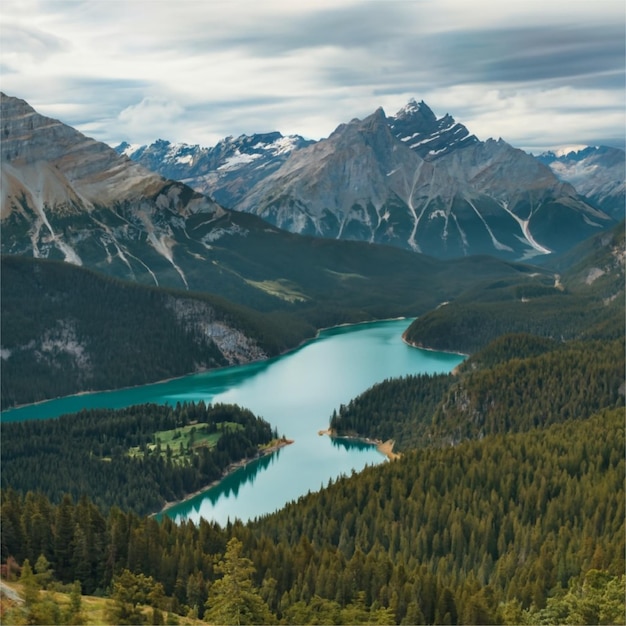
x: 153, y: 340
x: 296, y: 393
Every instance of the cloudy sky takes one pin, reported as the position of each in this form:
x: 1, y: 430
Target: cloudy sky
x: 538, y: 73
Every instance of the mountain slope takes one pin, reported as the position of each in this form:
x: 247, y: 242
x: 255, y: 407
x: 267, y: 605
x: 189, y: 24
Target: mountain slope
x: 66, y: 329
x: 226, y: 171
x: 426, y: 185
x: 598, y: 173
x: 71, y: 198
x: 67, y: 196
x: 585, y: 301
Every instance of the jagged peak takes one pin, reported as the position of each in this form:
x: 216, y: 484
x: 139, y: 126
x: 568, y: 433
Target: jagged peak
x: 568, y: 151
x: 375, y: 122
x: 378, y: 115
x: 414, y: 108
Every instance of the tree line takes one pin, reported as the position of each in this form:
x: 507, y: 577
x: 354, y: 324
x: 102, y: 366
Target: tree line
x: 89, y: 453
x: 486, y: 531
x: 517, y: 382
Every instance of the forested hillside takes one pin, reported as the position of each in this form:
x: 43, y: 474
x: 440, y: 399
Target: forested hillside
x: 137, y: 458
x: 516, y: 528
x: 66, y: 329
x: 587, y: 300
x: 517, y: 383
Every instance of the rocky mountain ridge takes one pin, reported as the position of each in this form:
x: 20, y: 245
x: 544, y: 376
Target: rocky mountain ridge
x: 597, y: 172
x: 67, y: 196
x: 448, y: 195
x: 418, y: 127
x: 410, y: 180
x: 226, y: 171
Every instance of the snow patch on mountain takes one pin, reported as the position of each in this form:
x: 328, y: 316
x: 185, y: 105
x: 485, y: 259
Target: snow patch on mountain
x: 596, y: 172
x: 238, y: 159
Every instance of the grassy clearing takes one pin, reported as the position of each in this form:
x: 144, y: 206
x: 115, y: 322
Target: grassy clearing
x: 185, y: 440
x: 94, y: 610
x: 283, y: 289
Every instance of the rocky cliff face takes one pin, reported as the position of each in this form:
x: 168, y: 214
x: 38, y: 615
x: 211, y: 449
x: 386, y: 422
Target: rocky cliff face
x: 417, y: 126
x: 596, y: 172
x: 202, y: 322
x: 427, y: 185
x: 67, y: 196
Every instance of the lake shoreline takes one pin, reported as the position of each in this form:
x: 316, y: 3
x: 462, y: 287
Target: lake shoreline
x: 384, y: 447
x: 420, y: 346
x: 297, y: 394
x: 233, y: 467
x: 205, y: 370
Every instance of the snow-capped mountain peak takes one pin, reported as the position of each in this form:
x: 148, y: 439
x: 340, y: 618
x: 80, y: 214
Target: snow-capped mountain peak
x: 225, y: 171
x: 412, y: 179
x: 418, y: 127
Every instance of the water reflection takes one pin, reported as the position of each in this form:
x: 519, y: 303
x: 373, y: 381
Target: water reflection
x: 231, y: 484
x: 351, y: 444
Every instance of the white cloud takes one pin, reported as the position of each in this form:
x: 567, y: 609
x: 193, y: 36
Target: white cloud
x: 143, y: 119
x: 196, y: 72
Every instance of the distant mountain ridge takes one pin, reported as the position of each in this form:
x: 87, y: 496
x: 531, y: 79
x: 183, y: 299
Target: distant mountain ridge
x: 411, y: 180
x: 226, y: 171
x: 597, y: 172
x: 448, y: 195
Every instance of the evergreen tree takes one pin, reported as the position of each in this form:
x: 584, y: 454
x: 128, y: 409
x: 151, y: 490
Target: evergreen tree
x: 233, y: 599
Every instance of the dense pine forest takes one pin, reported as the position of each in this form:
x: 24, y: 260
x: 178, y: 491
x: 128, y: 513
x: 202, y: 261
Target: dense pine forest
x: 506, y: 506
x: 516, y: 528
x: 514, y: 393
x: 137, y: 458
x: 66, y: 329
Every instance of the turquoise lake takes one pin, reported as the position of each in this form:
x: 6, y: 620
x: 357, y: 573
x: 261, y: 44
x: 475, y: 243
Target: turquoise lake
x: 297, y: 393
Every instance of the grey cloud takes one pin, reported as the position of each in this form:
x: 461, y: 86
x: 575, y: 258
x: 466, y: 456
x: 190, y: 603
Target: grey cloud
x: 358, y: 26
x: 377, y: 49
x: 99, y: 98
x: 31, y: 41
x: 241, y: 103
x: 610, y: 81
x: 529, y: 54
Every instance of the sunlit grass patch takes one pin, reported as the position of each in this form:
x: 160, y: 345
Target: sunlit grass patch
x: 184, y: 440
x: 283, y: 289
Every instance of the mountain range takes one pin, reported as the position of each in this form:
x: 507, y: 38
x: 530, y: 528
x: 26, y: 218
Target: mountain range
x: 66, y: 197
x: 597, y: 172
x: 520, y: 520
x: 227, y: 171
x: 411, y: 180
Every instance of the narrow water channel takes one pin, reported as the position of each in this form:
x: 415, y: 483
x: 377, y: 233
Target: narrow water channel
x: 297, y: 393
